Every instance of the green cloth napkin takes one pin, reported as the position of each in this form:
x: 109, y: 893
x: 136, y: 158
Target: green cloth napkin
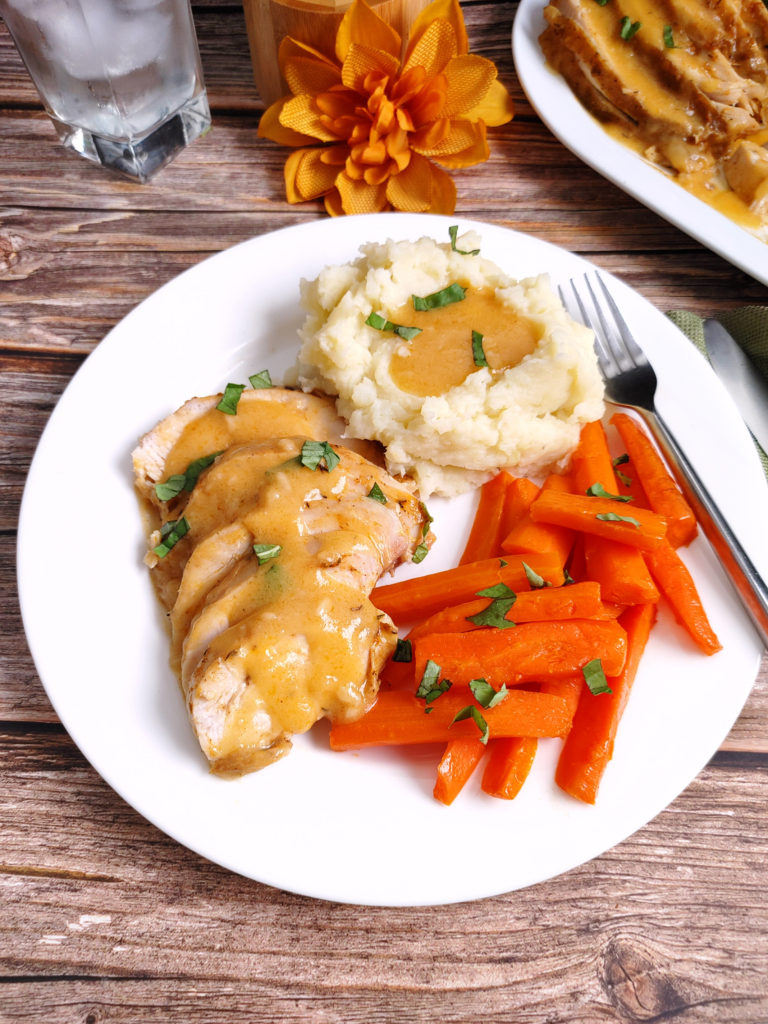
x: 748, y: 325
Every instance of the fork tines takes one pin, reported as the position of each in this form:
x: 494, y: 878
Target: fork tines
x: 616, y: 349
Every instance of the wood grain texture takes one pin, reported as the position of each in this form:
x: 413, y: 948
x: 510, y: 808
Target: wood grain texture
x: 107, y: 900
x: 107, y: 919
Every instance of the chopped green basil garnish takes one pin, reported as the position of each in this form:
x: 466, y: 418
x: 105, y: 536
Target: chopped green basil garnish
x: 420, y: 553
x: 403, y: 651
x: 611, y: 517
x: 230, y: 398
x: 266, y: 551
x: 536, y: 581
x: 494, y: 615
x: 594, y: 677
x: 470, y: 711
x: 567, y: 578
x: 669, y: 39
x: 185, y: 481
x: 313, y: 453
x: 432, y: 686
x: 170, y: 534
x: 598, y: 491
x: 485, y: 694
x: 602, y: 2
x: 496, y: 591
x: 377, y: 494
x: 628, y: 27
x: 453, y: 231
x: 621, y: 460
x: 502, y: 599
x: 428, y: 517
x: 445, y: 297
x: 478, y: 353
x: 261, y: 379
x: 626, y: 480
x: 382, y: 324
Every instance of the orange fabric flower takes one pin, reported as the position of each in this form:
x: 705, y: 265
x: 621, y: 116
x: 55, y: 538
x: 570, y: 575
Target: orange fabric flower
x: 385, y: 124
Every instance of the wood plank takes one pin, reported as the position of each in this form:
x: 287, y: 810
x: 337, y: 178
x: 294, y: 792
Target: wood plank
x: 97, y: 897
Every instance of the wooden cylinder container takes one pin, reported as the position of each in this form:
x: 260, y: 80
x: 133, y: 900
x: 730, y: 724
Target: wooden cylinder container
x: 313, y: 22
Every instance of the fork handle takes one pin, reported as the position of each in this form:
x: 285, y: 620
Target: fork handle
x: 746, y: 580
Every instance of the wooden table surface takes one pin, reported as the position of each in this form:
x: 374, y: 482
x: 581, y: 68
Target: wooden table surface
x: 104, y: 918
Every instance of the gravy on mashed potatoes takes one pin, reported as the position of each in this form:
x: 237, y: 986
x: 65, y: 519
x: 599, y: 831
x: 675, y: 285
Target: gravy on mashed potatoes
x: 446, y: 421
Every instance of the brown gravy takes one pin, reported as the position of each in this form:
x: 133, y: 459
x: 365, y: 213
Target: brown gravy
x: 440, y: 358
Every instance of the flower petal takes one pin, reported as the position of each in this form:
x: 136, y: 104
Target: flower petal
x: 434, y: 49
x: 497, y: 107
x: 333, y: 205
x: 476, y: 150
x: 290, y: 48
x: 469, y: 79
x: 301, y: 114
x: 362, y: 61
x: 270, y: 127
x: 359, y: 196
x: 307, y: 176
x: 422, y: 188
x: 461, y: 136
x: 305, y: 75
x: 445, y: 9
x: 362, y: 25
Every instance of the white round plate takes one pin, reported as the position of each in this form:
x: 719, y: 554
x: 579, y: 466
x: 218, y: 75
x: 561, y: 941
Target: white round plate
x: 353, y: 827
x: 552, y: 99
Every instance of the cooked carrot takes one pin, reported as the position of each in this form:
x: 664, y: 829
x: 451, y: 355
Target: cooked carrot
x: 520, y: 494
x: 595, y: 516
x: 528, y: 653
x: 417, y: 598
x: 459, y: 760
x: 578, y: 601
x: 620, y: 570
x: 569, y: 688
x: 398, y: 719
x: 676, y: 584
x: 664, y: 496
x: 528, y: 535
x: 591, y: 463
x: 628, y: 486
x: 589, y: 745
x: 485, y: 536
x: 509, y: 763
x: 615, y: 567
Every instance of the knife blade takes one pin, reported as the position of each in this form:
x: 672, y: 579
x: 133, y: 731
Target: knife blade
x: 741, y: 377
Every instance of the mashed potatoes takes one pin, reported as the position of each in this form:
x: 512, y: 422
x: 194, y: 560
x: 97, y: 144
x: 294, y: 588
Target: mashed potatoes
x: 444, y: 418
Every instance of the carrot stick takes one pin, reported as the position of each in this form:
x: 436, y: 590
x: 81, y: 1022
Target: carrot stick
x: 664, y: 496
x: 621, y: 572
x: 569, y: 688
x: 646, y: 531
x: 485, y: 536
x: 397, y: 719
x: 591, y: 463
x: 578, y: 601
x: 528, y: 653
x: 676, y: 584
x: 509, y: 763
x: 521, y: 492
x: 528, y: 535
x: 418, y: 598
x: 589, y: 745
x: 459, y: 760
x: 614, y: 565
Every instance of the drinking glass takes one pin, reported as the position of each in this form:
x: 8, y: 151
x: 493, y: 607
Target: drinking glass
x: 120, y: 79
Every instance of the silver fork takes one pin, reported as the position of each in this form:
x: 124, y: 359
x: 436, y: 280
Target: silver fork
x: 630, y: 381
